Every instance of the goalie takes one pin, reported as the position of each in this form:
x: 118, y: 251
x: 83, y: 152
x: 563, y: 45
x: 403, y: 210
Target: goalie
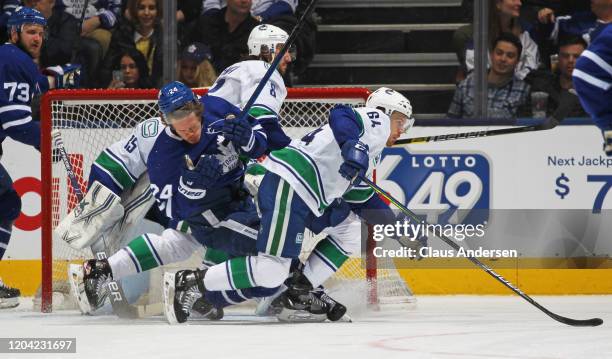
x: 181, y: 193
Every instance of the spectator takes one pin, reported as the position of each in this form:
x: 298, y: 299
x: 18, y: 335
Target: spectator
x: 580, y: 23
x: 195, y: 68
x: 62, y: 39
x: 226, y: 32
x: 506, y: 92
x: 140, y: 30
x: 559, y: 85
x: 262, y: 10
x: 100, y: 18
x: 503, y: 17
x: 187, y: 13
x: 8, y: 7
x: 131, y: 70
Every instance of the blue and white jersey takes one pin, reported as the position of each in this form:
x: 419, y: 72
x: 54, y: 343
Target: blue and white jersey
x: 593, y: 77
x: 155, y: 148
x: 20, y: 81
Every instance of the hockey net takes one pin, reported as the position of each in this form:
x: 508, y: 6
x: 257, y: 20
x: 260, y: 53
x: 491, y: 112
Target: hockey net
x: 90, y: 120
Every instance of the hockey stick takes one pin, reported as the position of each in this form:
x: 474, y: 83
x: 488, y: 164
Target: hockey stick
x: 120, y: 305
x: 277, y: 59
x: 593, y: 322
x: 546, y: 125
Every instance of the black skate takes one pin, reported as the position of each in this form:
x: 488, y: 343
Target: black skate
x: 335, y: 310
x: 202, y: 308
x: 181, y: 290
x: 302, y: 303
x: 9, y: 297
x: 89, y: 283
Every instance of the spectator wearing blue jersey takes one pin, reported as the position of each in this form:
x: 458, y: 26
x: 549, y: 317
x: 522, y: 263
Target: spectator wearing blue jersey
x: 593, y: 81
x: 21, y: 80
x: 7, y: 8
x: 581, y: 23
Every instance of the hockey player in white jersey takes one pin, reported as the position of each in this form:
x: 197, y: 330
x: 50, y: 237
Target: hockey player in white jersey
x: 301, y: 182
x: 232, y: 88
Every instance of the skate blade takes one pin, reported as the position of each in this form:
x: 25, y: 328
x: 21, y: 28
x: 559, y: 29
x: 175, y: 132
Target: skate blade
x: 263, y: 307
x: 299, y: 316
x: 77, y: 286
x: 7, y: 303
x: 168, y: 291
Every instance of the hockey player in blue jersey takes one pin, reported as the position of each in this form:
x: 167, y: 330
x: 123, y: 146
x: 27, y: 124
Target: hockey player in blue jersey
x: 301, y: 185
x: 593, y: 81
x: 208, y: 197
x: 21, y: 81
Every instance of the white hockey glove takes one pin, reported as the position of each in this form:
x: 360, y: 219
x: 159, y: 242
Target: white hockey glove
x: 92, y: 217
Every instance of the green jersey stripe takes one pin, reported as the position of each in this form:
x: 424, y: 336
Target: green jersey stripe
x: 239, y: 273
x: 358, y: 195
x: 331, y: 253
x: 143, y: 254
x: 260, y: 111
x: 303, y: 168
x: 279, y: 226
x: 115, y: 170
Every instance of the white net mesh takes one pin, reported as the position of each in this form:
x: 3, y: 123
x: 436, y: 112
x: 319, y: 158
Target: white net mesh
x: 88, y: 126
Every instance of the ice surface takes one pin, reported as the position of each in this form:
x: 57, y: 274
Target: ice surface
x: 438, y: 327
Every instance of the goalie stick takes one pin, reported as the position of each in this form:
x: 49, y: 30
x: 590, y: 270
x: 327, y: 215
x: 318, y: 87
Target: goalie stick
x: 119, y: 303
x: 593, y: 322
x: 546, y: 125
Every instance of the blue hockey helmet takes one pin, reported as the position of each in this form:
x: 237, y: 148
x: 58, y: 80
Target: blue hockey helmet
x: 25, y: 15
x: 173, y: 96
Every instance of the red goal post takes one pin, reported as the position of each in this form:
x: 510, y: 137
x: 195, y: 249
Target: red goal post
x: 90, y: 120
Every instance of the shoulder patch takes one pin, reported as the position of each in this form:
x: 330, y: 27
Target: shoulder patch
x: 150, y: 128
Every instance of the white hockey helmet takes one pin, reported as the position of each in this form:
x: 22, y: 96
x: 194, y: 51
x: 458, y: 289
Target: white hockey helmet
x: 388, y: 100
x: 267, y: 38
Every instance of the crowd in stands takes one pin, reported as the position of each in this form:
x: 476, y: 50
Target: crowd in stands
x: 120, y: 42
x: 533, y: 47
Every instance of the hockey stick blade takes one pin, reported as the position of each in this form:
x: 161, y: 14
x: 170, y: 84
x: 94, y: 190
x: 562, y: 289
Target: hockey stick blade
x: 546, y: 125
x: 593, y: 322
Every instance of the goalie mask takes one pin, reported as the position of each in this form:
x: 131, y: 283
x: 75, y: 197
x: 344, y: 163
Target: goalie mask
x: 388, y: 101
x: 266, y: 40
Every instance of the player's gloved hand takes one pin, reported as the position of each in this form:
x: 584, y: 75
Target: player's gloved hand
x: 66, y: 76
x: 239, y: 132
x: 107, y: 18
x: 608, y: 142
x: 356, y: 159
x: 198, y: 179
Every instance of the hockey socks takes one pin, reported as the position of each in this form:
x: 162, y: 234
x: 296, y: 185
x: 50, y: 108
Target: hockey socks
x: 150, y: 251
x: 325, y: 260
x: 247, y: 272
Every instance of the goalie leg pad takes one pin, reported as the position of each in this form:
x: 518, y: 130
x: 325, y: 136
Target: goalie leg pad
x: 93, y: 216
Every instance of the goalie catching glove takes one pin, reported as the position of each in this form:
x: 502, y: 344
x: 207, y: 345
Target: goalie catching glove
x: 93, y: 216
